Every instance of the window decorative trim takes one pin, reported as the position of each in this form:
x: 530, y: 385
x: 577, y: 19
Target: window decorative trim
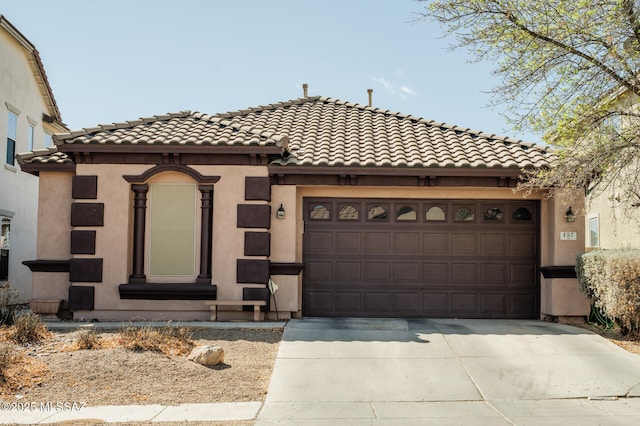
x: 162, y: 168
x: 140, y: 189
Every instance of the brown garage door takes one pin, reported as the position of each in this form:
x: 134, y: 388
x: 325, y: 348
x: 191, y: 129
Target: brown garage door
x: 419, y: 258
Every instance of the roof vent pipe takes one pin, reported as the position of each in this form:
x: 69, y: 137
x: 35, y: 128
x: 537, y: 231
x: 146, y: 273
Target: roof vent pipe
x: 370, y: 92
x: 305, y: 86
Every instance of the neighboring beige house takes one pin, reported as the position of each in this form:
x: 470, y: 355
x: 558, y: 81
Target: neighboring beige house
x: 351, y: 210
x: 613, y: 208
x: 28, y: 118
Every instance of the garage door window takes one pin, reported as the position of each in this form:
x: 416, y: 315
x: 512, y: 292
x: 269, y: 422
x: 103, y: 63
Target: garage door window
x: 493, y: 214
x: 320, y: 212
x: 522, y: 215
x: 377, y: 213
x: 435, y: 213
x: 406, y: 213
x: 349, y: 213
x: 464, y: 214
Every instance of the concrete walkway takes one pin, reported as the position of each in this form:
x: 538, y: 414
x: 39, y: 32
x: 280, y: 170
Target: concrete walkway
x: 415, y: 372
x: 441, y: 372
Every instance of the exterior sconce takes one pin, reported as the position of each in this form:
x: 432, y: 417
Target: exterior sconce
x: 570, y: 216
x: 280, y: 212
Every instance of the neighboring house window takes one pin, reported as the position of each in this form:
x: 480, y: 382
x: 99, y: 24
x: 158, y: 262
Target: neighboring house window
x: 172, y: 233
x: 48, y: 140
x: 594, y: 232
x: 12, y: 131
x: 30, y: 132
x: 5, y: 225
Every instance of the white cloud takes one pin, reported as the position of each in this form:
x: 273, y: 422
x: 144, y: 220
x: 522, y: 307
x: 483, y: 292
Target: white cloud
x: 408, y: 90
x: 401, y: 91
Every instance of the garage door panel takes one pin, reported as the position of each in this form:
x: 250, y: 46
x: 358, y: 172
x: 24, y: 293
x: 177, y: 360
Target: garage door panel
x: 377, y: 302
x: 464, y: 274
x: 348, y: 271
x: 522, y: 244
x: 406, y: 272
x: 319, y: 271
x: 436, y: 243
x: 465, y: 303
x: 320, y: 242
x: 523, y: 304
x: 423, y: 267
x: 318, y: 301
x: 523, y: 275
x: 377, y: 242
x: 435, y: 304
x: 493, y: 274
x: 436, y: 273
x: 377, y: 271
x: 407, y: 303
x: 493, y: 244
x: 464, y: 243
x: 407, y: 242
x: 347, y: 302
x: 349, y: 242
x: 494, y: 304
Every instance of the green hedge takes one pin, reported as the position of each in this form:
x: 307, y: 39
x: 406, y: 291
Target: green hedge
x: 611, y: 279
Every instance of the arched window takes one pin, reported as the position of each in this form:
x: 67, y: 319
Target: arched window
x: 349, y: 213
x: 406, y: 213
x: 493, y: 213
x: 319, y: 212
x: 522, y: 214
x: 435, y: 213
x: 464, y: 214
x: 377, y: 213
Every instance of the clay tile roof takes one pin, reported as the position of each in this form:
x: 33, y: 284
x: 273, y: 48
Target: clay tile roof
x: 319, y: 131
x: 44, y: 156
x: 330, y: 132
x: 181, y: 128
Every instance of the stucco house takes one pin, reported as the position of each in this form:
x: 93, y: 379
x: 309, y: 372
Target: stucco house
x: 613, y: 215
x: 28, y: 117
x: 349, y: 209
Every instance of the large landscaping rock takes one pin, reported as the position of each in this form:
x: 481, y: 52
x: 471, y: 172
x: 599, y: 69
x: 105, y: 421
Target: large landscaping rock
x: 207, y: 355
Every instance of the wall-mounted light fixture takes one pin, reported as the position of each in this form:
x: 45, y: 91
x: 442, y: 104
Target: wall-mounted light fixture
x: 570, y: 216
x: 280, y: 212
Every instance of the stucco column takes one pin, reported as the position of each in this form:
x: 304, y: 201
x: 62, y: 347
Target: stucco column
x: 206, y: 228
x: 139, y: 213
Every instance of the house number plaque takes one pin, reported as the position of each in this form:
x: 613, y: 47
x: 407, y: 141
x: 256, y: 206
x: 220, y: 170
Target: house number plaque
x: 568, y: 236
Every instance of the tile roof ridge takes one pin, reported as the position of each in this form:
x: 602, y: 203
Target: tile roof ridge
x: 373, y: 109
x: 59, y: 137
x: 267, y: 107
x: 488, y: 136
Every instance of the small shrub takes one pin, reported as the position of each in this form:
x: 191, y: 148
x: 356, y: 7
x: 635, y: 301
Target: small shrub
x: 28, y: 328
x: 9, y: 298
x: 611, y: 279
x: 88, y: 339
x: 7, y: 355
x: 170, y: 340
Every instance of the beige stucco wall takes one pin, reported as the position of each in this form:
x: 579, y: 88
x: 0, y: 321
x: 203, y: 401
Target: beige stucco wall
x: 284, y: 247
x: 20, y: 94
x: 113, y: 244
x: 561, y: 297
x: 619, y: 225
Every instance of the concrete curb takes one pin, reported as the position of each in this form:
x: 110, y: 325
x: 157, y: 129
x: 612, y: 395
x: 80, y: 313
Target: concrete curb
x: 32, y: 413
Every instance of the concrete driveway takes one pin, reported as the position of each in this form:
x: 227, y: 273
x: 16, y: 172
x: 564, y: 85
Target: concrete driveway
x: 477, y: 372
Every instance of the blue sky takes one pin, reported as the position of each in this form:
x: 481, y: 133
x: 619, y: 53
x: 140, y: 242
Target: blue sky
x: 117, y: 60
